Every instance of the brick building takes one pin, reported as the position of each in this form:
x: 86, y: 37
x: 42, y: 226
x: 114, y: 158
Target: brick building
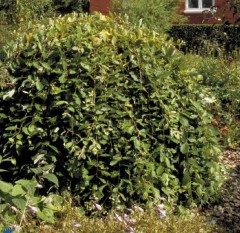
x: 193, y: 9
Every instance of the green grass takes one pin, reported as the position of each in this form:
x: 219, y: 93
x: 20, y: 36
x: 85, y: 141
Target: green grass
x: 70, y: 219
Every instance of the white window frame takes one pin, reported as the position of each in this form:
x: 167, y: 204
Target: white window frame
x: 196, y: 10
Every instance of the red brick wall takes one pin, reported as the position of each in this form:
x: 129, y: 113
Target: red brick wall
x: 102, y: 6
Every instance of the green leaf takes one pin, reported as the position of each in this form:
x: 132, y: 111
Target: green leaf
x: 3, y: 170
x: 186, y: 178
x: 86, y: 66
x: 18, y: 190
x: 136, y: 143
x: 46, y: 66
x: 62, y: 78
x: 184, y: 121
x: 184, y: 148
x: 46, y: 215
x: 10, y: 128
x: 39, y: 85
x: 20, y: 203
x: 5, y: 187
x: 52, y: 178
x: 165, y: 179
x: 2, y: 207
x: 9, y: 94
x: 62, y: 102
x: 25, y: 130
x: 28, y: 185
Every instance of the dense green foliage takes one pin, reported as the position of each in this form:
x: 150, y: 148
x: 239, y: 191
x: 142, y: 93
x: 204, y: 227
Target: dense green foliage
x: 24, y: 10
x: 208, y: 38
x: 108, y: 110
x: 14, y: 11
x: 157, y: 15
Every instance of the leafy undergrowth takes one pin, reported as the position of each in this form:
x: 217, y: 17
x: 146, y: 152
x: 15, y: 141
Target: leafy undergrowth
x: 221, y: 78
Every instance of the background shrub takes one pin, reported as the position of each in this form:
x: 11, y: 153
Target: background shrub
x: 68, y: 6
x: 13, y: 11
x: 156, y: 15
x: 106, y: 110
x: 221, y: 77
x: 206, y: 39
x: 25, y: 10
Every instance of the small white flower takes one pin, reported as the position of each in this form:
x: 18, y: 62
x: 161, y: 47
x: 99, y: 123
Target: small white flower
x: 160, y: 206
x: 39, y: 186
x: 208, y: 100
x: 16, y: 228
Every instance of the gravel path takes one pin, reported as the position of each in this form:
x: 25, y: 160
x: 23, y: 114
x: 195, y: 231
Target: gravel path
x: 226, y: 213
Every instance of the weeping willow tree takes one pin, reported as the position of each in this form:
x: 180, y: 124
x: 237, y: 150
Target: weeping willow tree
x: 157, y: 15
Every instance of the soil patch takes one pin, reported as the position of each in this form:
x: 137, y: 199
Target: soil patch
x: 226, y: 213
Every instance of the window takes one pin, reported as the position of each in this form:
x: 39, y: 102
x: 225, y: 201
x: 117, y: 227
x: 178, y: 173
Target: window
x: 198, y: 5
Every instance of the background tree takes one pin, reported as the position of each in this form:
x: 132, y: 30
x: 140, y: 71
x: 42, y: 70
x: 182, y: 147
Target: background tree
x: 67, y: 6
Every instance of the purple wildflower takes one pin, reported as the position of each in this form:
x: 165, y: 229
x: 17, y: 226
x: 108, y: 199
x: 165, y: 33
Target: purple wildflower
x: 16, y: 228
x: 98, y: 207
x: 76, y: 224
x: 129, y: 210
x: 119, y: 218
x: 118, y: 208
x: 132, y: 220
x: 129, y: 230
x: 14, y: 209
x: 138, y: 208
x: 33, y: 210
x: 125, y: 217
x: 160, y: 209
